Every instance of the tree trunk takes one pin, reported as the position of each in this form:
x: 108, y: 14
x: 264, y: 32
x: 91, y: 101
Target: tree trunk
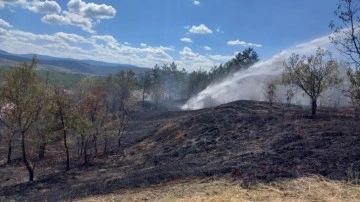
x: 66, y: 150
x: 86, y: 154
x: 313, y: 106
x: 143, y: 97
x: 82, y: 145
x: 85, y: 157
x: 11, y: 135
x: 26, y: 162
x: 78, y: 147
x: 119, y: 137
x: 9, y: 151
x: 65, y: 138
x: 121, y: 105
x: 105, y: 145
x: 42, y: 148
x: 95, y: 140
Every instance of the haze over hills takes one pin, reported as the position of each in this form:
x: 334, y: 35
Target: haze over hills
x: 88, y: 67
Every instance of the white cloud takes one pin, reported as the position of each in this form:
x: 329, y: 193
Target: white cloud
x: 3, y: 23
x: 185, y: 39
x: 196, y: 2
x: 12, y: 3
x: 221, y: 58
x: 68, y: 18
x: 108, y: 39
x: 242, y: 43
x: 44, y: 7
x: 81, y: 14
x: 75, y: 6
x: 103, y: 48
x: 187, y: 52
x: 69, y: 45
x: 143, y: 44
x: 201, y: 29
x: 55, y: 19
x: 91, y: 10
x: 69, y: 37
x: 36, y: 6
x: 194, y: 61
x: 207, y: 48
x: 99, y: 11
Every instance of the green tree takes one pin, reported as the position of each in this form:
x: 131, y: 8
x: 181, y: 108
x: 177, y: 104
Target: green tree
x: 93, y: 110
x: 42, y: 127
x: 354, y: 91
x: 9, y: 129
x: 197, y: 81
x: 145, y: 82
x: 119, y: 89
x: 21, y: 90
x: 241, y: 61
x: 8, y: 125
x: 63, y: 117
x: 312, y: 74
x: 157, y: 87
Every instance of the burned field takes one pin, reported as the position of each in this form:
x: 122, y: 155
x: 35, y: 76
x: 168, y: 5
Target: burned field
x: 246, y: 140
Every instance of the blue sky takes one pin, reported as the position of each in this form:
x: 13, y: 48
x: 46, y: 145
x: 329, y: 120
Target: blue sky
x: 194, y: 34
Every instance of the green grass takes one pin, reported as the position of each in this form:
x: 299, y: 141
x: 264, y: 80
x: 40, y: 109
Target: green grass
x: 67, y: 80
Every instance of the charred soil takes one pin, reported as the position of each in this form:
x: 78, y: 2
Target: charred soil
x: 248, y: 140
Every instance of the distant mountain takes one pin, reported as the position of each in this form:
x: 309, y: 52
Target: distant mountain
x: 88, y: 67
x: 4, y: 52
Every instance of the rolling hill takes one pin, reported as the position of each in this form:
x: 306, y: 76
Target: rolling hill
x: 87, y: 67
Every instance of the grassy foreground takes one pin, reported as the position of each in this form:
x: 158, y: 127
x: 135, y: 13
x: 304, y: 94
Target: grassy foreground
x: 312, y: 188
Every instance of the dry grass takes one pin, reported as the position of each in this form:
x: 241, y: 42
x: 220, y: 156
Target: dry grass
x: 167, y: 125
x: 302, y: 189
x: 180, y: 135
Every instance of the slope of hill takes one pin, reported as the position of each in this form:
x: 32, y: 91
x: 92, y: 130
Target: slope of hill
x: 88, y: 67
x: 246, y: 141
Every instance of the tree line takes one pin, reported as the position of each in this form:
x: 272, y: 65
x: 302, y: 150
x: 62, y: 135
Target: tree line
x: 167, y: 83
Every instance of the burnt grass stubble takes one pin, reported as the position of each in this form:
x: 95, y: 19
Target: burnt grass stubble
x: 247, y: 140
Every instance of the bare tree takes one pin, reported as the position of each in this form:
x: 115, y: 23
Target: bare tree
x: 346, y: 35
x: 313, y: 74
x: 346, y: 39
x: 270, y: 91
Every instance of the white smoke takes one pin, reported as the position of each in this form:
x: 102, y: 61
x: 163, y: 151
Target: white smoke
x: 249, y: 84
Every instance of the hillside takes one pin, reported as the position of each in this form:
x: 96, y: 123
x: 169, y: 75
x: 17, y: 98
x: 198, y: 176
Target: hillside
x: 87, y: 67
x: 245, y: 141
